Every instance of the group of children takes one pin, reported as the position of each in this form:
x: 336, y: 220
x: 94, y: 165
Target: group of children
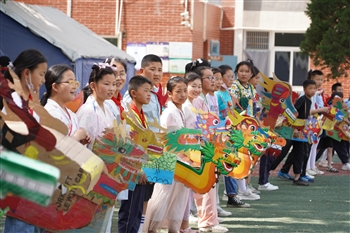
x: 150, y: 206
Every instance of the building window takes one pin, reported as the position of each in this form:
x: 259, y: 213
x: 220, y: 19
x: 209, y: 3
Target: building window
x: 288, y: 39
x: 291, y: 67
x: 112, y: 40
x: 257, y: 40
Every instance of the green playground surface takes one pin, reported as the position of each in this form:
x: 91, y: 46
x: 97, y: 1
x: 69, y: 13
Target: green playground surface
x: 324, y: 206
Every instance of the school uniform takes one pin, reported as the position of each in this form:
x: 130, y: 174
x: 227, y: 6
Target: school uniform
x: 65, y: 115
x: 93, y: 119
x: 300, y: 152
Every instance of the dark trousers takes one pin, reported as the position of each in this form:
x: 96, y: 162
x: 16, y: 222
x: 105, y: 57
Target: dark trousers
x: 342, y: 149
x: 298, y: 158
x: 130, y: 212
x: 283, y: 154
x: 264, y: 169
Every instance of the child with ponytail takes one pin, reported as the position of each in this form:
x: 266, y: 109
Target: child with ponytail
x: 95, y: 115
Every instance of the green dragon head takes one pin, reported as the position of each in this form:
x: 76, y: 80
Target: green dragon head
x: 182, y: 140
x: 223, y: 157
x: 248, y: 142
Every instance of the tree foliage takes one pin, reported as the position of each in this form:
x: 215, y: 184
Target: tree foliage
x: 327, y: 40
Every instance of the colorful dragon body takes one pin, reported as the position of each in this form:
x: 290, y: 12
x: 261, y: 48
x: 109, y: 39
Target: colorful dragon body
x: 161, y: 166
x: 276, y: 144
x: 310, y: 131
x: 123, y: 158
x: 207, y: 122
x: 270, y: 142
x: 144, y: 136
x: 341, y: 126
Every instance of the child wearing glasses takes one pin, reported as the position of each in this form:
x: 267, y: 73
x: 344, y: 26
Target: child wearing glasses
x: 61, y: 86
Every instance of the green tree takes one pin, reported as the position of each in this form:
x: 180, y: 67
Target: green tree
x: 327, y: 40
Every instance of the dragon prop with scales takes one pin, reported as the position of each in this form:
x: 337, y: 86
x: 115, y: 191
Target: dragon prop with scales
x: 161, y: 165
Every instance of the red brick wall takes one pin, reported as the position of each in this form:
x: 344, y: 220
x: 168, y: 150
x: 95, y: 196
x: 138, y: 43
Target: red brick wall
x: 157, y: 21
x: 99, y: 16
x: 152, y: 20
x: 201, y: 41
x: 227, y: 36
x: 59, y: 4
x: 327, y: 85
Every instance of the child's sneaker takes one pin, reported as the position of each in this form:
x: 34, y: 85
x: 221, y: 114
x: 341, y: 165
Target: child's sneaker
x: 217, y: 228
x: 300, y: 183
x: 250, y: 186
x: 318, y: 172
x: 306, y: 179
x: 311, y: 172
x: 284, y: 175
x: 248, y: 195
x: 323, y: 163
x: 346, y: 167
x: 223, y: 213
x: 268, y: 187
x: 193, y: 219
x: 236, y: 202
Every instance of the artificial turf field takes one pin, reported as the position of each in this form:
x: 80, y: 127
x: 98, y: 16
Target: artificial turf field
x: 324, y: 206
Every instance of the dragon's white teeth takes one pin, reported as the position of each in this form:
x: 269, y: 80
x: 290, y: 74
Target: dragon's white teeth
x: 126, y: 168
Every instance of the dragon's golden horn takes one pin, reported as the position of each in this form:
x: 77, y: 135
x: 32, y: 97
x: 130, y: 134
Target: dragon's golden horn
x: 235, y: 117
x: 268, y: 83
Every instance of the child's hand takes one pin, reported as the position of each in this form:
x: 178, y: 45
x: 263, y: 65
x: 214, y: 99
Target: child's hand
x: 324, y: 110
x: 143, y: 179
x: 86, y: 140
x: 80, y: 134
